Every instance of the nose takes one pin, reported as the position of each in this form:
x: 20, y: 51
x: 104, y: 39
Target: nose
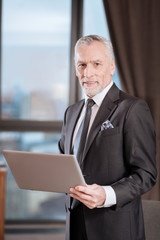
x: 89, y: 71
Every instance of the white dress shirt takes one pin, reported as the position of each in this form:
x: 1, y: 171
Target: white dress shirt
x: 110, y: 193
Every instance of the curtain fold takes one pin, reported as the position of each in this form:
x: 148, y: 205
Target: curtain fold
x: 135, y: 34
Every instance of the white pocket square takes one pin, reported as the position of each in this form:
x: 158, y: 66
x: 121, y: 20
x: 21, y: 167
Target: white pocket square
x: 106, y: 125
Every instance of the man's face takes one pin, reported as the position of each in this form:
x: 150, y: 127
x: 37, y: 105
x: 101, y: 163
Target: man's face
x: 94, y: 68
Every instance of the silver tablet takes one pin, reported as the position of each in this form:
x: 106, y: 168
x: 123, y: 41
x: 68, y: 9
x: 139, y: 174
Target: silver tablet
x: 44, y: 172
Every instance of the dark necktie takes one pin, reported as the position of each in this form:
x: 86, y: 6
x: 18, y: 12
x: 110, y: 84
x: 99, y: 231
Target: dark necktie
x: 80, y: 140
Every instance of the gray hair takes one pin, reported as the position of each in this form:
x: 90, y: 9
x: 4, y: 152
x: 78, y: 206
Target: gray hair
x: 87, y: 40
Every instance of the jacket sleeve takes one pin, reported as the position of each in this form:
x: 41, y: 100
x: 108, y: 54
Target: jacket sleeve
x: 63, y: 132
x: 139, y: 154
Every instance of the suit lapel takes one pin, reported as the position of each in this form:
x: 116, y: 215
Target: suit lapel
x: 71, y: 125
x: 105, y: 111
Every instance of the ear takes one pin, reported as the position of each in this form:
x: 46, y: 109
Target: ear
x: 112, y: 67
x: 76, y: 71
x: 75, y: 67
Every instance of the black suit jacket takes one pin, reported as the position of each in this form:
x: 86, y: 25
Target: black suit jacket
x: 122, y: 157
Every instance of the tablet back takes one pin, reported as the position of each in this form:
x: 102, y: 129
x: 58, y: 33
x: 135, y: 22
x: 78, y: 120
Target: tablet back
x: 44, y: 172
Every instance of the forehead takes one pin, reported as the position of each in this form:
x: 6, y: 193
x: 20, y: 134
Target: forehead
x: 94, y: 51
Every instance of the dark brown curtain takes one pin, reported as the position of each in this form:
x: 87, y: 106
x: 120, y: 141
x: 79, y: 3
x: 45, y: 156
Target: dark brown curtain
x: 134, y: 27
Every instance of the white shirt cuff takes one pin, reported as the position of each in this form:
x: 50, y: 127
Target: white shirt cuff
x: 110, y: 197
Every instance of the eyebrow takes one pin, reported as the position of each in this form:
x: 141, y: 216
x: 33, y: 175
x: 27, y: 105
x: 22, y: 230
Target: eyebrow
x: 93, y: 61
x: 97, y: 60
x: 81, y: 62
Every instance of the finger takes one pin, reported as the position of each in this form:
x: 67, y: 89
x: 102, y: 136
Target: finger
x: 85, y: 189
x: 78, y: 192
x: 86, y: 199
x: 89, y: 204
x: 79, y: 198
x: 74, y: 196
x: 72, y: 190
x: 82, y: 195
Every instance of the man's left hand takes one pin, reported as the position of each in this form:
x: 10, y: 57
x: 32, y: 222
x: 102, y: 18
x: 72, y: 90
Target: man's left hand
x: 90, y: 195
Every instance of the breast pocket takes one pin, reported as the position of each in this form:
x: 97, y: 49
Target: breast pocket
x: 109, y: 132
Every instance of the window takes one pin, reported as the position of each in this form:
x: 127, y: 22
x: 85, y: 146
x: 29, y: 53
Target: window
x: 34, y: 93
x: 35, y: 59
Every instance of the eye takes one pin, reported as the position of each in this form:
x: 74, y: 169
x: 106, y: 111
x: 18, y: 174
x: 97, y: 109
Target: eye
x: 81, y: 65
x: 97, y: 64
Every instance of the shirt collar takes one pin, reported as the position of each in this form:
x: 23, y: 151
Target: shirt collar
x: 100, y: 96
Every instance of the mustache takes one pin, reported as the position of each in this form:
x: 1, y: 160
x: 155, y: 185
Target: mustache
x: 87, y: 80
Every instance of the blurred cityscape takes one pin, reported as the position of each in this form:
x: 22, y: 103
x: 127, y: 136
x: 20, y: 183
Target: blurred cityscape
x: 35, y: 87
